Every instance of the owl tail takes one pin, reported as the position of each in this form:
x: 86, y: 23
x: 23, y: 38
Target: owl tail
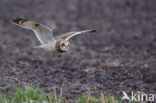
x: 47, y: 47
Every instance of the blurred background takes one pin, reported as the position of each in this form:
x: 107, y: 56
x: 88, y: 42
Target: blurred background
x: 121, y: 55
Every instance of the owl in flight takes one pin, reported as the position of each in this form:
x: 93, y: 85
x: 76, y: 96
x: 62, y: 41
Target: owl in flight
x: 46, y: 38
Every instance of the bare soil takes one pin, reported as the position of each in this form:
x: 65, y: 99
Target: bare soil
x: 121, y: 55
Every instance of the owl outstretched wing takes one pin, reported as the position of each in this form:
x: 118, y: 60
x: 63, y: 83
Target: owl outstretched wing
x: 43, y: 33
x: 69, y: 35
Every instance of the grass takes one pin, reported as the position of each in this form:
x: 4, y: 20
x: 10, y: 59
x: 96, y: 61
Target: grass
x: 31, y: 94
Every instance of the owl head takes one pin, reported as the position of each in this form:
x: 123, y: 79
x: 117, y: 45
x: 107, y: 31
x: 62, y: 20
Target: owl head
x: 64, y: 45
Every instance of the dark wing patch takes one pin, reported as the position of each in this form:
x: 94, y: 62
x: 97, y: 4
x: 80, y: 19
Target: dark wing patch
x: 18, y: 21
x: 91, y: 31
x: 36, y: 25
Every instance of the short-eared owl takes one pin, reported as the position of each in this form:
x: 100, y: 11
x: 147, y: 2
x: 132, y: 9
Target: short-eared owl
x: 45, y: 35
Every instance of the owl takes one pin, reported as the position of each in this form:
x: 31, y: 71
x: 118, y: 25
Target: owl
x: 45, y: 35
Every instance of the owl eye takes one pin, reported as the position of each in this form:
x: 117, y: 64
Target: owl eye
x: 63, y: 44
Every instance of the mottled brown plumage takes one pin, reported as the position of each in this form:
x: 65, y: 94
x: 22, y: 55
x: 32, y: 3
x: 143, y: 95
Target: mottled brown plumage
x: 18, y: 21
x: 44, y: 35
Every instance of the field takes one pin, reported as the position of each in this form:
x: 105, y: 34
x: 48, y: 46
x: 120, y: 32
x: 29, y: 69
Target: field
x: 120, y: 56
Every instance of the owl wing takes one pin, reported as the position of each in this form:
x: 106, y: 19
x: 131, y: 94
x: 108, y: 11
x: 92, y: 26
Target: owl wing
x: 69, y: 35
x: 43, y: 33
